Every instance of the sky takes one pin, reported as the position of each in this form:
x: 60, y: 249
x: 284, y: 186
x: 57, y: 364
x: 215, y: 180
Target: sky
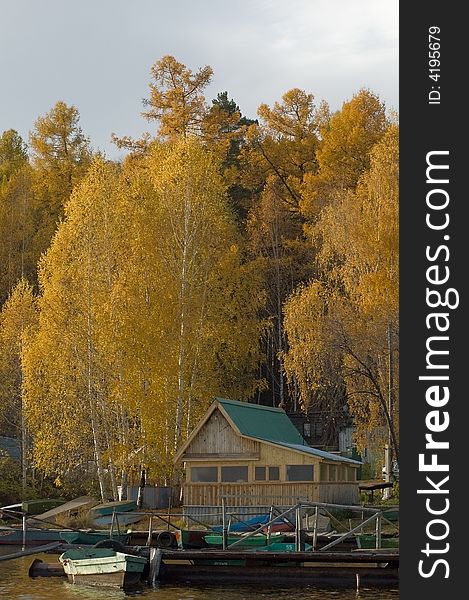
x: 97, y: 55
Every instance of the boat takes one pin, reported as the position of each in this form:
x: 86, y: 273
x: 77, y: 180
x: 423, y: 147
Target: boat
x: 102, y: 515
x: 35, y: 536
x: 280, y: 524
x: 158, y: 538
x: 36, y: 507
x: 72, y: 507
x: 107, y: 508
x: 391, y: 514
x: 253, y: 541
x: 91, y: 537
x: 191, y: 539
x: 368, y: 541
x: 122, y: 519
x: 283, y: 547
x: 102, y: 567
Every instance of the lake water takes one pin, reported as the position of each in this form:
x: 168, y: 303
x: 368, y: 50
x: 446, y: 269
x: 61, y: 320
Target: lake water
x: 16, y: 585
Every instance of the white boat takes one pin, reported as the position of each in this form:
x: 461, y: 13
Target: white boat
x: 102, y: 567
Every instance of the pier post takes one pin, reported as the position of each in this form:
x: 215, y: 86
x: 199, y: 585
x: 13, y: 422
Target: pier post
x: 155, y: 565
x: 24, y: 531
x: 150, y: 530
x: 315, y: 528
x: 299, y: 536
x: 378, y: 530
x: 269, y: 527
x: 224, y: 531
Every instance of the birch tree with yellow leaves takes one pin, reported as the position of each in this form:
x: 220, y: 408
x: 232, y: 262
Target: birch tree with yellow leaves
x: 66, y: 371
x: 17, y: 318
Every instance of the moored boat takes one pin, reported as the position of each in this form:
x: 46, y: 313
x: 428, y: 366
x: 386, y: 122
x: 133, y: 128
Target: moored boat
x: 102, y: 567
x: 122, y: 518
x: 34, y: 536
x: 102, y: 515
x: 107, y: 508
x: 191, y: 539
x: 244, y: 541
x: 368, y: 541
x: 91, y: 537
x: 280, y: 524
x: 36, y: 507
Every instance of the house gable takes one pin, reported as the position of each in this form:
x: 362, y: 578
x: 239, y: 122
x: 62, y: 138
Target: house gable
x: 216, y: 438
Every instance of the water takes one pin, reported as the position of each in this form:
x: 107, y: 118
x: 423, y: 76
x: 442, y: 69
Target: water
x: 16, y: 585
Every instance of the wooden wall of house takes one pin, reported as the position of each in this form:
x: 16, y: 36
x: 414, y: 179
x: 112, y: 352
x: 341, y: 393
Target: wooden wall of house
x: 217, y: 436
x: 267, y: 455
x: 266, y: 493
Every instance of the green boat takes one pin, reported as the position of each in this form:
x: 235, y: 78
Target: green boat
x: 254, y: 541
x: 283, y: 547
x: 369, y: 541
x: 102, y: 567
x: 36, y: 507
x: 392, y: 514
x: 91, y: 537
x: 107, y: 508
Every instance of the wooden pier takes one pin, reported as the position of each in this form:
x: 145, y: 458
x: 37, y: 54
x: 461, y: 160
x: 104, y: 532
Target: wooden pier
x: 222, y: 566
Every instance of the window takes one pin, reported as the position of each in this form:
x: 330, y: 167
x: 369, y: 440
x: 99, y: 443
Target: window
x: 300, y: 473
x: 332, y: 472
x: 259, y: 473
x: 307, y: 429
x: 204, y: 474
x: 274, y: 474
x: 234, y: 474
x: 323, y: 472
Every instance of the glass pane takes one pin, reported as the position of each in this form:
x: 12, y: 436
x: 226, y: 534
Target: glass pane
x: 323, y: 472
x: 274, y: 474
x: 300, y: 472
x: 259, y: 474
x: 204, y: 474
x: 234, y: 474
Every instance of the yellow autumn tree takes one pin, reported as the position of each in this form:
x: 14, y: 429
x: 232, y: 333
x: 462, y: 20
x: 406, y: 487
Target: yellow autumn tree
x: 17, y: 318
x: 66, y: 369
x: 211, y: 325
x: 350, y: 319
x: 285, y: 143
x: 344, y: 153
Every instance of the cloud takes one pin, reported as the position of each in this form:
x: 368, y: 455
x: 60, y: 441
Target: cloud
x: 97, y: 55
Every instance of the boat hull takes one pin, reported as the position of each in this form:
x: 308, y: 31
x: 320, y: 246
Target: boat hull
x: 36, y: 507
x: 102, y: 567
x: 119, y: 579
x: 122, y: 519
x: 91, y: 537
x: 254, y: 541
x: 34, y: 537
x: 107, y: 508
x: 369, y: 542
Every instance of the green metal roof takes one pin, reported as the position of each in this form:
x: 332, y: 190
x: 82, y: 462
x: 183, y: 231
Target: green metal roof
x: 263, y: 422
x: 321, y: 453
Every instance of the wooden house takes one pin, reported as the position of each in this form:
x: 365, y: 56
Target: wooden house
x: 254, y: 456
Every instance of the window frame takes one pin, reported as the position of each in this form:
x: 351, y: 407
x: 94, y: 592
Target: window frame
x: 287, y: 478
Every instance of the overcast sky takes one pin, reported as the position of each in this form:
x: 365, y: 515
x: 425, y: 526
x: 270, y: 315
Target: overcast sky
x: 97, y: 54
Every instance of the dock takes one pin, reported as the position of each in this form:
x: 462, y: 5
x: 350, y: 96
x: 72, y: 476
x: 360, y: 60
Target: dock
x: 376, y: 568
